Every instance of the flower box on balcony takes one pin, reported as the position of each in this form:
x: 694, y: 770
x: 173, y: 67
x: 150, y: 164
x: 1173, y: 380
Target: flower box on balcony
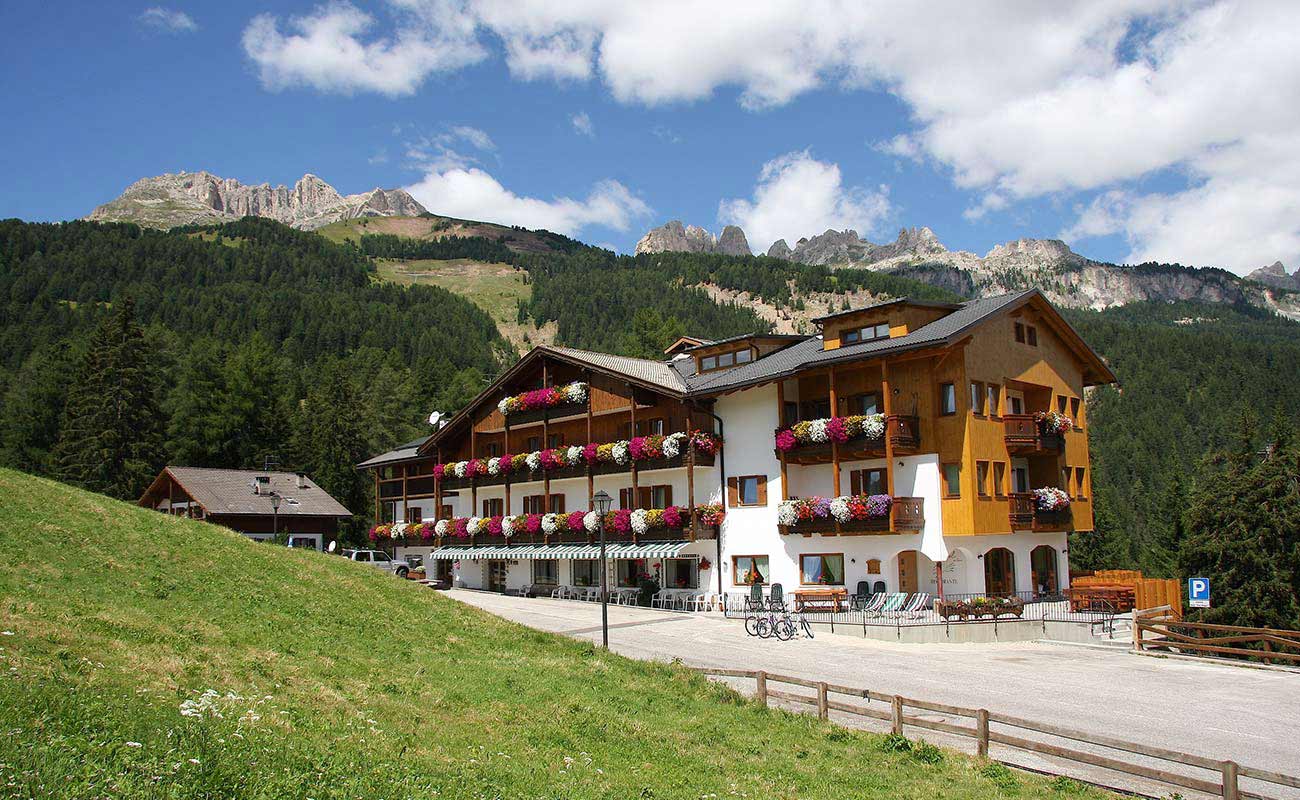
x: 849, y: 514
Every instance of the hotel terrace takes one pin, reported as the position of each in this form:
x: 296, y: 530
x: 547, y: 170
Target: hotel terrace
x: 918, y: 446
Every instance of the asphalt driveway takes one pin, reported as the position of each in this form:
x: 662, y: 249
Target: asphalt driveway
x: 1251, y: 716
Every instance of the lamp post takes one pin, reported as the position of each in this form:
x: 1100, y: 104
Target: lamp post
x: 275, y: 516
x: 602, y: 501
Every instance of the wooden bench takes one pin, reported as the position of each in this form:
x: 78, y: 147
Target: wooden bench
x: 832, y: 599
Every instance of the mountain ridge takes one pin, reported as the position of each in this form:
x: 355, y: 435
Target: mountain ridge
x: 189, y: 198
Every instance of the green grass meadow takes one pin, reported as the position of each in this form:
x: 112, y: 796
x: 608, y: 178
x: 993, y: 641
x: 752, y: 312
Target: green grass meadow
x: 152, y: 657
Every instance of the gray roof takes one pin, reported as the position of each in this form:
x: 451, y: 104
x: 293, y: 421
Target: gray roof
x: 809, y: 353
x: 658, y: 373
x: 228, y: 491
x: 402, y: 452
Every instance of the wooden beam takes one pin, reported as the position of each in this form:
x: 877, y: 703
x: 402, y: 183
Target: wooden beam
x: 835, y: 446
x: 780, y: 423
x: 887, y: 398
x: 631, y: 433
x: 591, y: 481
x: 546, y: 443
x: 437, y: 490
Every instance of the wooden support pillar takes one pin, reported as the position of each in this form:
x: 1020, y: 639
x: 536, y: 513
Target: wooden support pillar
x: 406, y: 513
x: 632, y: 433
x: 982, y: 733
x: 546, y: 443
x: 473, y: 454
x: 505, y: 451
x: 887, y: 401
x: 437, y: 489
x: 835, y: 446
x: 690, y: 482
x: 171, y: 496
x: 591, y: 481
x: 780, y: 423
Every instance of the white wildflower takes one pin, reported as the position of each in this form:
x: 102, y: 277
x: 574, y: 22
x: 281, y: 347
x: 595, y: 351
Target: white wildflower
x: 620, y: 452
x: 786, y: 514
x: 639, y: 523
x: 549, y: 523
x: 591, y: 521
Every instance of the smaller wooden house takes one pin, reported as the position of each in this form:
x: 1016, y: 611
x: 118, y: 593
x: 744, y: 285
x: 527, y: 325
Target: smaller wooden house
x: 257, y: 503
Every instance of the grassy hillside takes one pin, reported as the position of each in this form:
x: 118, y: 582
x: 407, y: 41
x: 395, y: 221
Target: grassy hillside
x: 327, y: 679
x: 433, y: 227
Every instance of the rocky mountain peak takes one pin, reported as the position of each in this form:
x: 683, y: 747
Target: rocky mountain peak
x: 1275, y: 275
x: 674, y: 236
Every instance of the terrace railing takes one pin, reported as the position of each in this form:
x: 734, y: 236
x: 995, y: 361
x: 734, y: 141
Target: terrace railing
x: 1024, y: 435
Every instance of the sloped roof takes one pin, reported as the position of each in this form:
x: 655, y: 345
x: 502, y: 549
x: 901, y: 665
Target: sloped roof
x: 400, y: 453
x: 658, y: 373
x: 227, y: 491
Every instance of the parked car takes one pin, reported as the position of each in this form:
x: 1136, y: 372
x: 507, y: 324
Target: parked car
x: 380, y: 560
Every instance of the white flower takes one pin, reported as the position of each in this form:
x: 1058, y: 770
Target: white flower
x: 549, y: 524
x: 398, y: 531
x: 639, y: 523
x: 507, y: 526
x: 576, y: 392
x: 573, y: 455
x: 494, y: 466
x: 534, y: 460
x: 817, y: 430
x: 440, y: 527
x: 476, y: 525
x: 591, y: 521
x: 134, y: 744
x: 786, y: 514
x: 620, y: 452
x: 873, y: 426
x: 459, y: 468
x: 840, y: 509
x: 503, y: 406
x: 673, y: 444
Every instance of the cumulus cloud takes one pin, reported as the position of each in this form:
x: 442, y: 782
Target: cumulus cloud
x: 797, y: 195
x: 582, y: 124
x: 471, y: 193
x: 167, y: 20
x: 327, y: 50
x: 444, y: 150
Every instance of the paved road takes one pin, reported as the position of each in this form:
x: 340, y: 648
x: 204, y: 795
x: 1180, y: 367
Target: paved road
x: 1251, y: 716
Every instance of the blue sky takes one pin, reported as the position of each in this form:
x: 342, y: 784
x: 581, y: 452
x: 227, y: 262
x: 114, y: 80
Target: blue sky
x: 1135, y: 130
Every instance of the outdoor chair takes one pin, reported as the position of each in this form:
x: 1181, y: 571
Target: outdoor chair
x: 755, y: 600
x: 560, y: 593
x: 874, y: 603
x: 916, y: 605
x: 776, y: 598
x: 879, y: 588
x: 661, y: 599
x: 859, y: 599
x: 893, y: 602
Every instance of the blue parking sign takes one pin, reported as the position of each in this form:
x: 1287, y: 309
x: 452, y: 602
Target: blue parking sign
x: 1198, y: 592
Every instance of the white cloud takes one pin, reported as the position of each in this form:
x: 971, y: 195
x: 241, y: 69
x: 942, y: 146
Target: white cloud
x: 582, y: 124
x: 438, y: 152
x: 666, y: 134
x: 799, y: 196
x: 325, y: 49
x: 471, y: 193
x: 168, y: 20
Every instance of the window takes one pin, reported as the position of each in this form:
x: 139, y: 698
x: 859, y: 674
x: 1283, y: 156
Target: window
x: 660, y: 496
x: 535, y: 504
x: 993, y: 404
x: 869, y: 481
x: 377, y: 556
x: 708, y: 362
x: 586, y: 572
x: 747, y: 490
x: 726, y: 360
x: 982, y: 478
x: 362, y: 556
x: 492, y: 450
x: 977, y: 398
x: 1017, y: 404
x: 850, y: 337
x: 681, y: 573
x: 1080, y: 491
x: 654, y: 427
x: 868, y: 333
x: 445, y: 512
x: 868, y: 403
x: 747, y: 570
x: 534, y: 444
x: 494, y: 507
x: 822, y: 569
x: 947, y: 399
x: 789, y: 413
x: 1031, y: 336
x: 1060, y: 403
x: 952, y: 480
x: 546, y: 571
x: 744, y: 357
x: 1020, y: 332
x: 999, y: 478
x: 1067, y: 479
x: 1074, y: 410
x: 554, y: 440
x: 1020, y: 480
x: 414, y: 514
x: 628, y: 572
x: 816, y: 409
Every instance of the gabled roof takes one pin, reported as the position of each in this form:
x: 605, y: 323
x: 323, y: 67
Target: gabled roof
x: 228, y: 492
x: 657, y: 373
x: 404, y: 452
x: 763, y: 337
x: 902, y: 301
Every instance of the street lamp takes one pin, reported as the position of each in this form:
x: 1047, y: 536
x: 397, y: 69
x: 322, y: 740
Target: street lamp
x: 275, y: 516
x: 603, y: 501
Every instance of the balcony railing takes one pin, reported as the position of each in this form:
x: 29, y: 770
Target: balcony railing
x: 1027, y: 436
x: 579, y: 471
x: 906, y: 515
x: 1026, y: 516
x: 902, y: 431
x: 701, y: 532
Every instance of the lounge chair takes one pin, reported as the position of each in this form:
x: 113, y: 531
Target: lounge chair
x: 776, y: 598
x: 754, y: 602
x: 893, y: 602
x: 878, y: 587
x: 859, y: 599
x: 874, y: 603
x: 916, y: 605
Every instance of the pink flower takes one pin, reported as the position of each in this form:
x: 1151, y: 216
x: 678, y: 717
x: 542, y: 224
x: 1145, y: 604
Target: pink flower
x: 534, y: 523
x: 673, y: 517
x: 438, y: 471
x: 591, y: 452
x: 836, y: 430
x: 636, y: 448
x: 462, y: 527
x: 549, y: 461
x: 575, y: 520
x: 623, y: 520
x: 494, y: 526
x: 506, y: 464
x: 785, y: 441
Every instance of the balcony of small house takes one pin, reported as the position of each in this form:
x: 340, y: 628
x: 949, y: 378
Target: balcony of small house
x: 904, y: 515
x: 859, y: 438
x: 566, y: 535
x: 612, y: 458
x: 1030, y: 435
x: 1027, y: 513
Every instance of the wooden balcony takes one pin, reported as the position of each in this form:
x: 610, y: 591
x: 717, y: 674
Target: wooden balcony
x: 902, y: 431
x: 519, y: 478
x: 1025, y: 437
x: 520, y: 418
x: 702, y: 533
x: 1025, y: 516
x: 907, y: 515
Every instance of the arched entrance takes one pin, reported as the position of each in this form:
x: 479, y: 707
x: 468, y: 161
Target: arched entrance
x: 1042, y: 562
x: 999, y: 572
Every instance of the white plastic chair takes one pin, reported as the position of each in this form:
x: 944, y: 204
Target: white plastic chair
x: 661, y: 599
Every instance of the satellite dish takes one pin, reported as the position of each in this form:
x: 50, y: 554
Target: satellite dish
x: 435, y: 419
x: 334, y: 545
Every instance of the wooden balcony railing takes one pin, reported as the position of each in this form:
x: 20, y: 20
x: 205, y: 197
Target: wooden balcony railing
x: 520, y: 478
x: 904, y: 432
x: 905, y: 516
x: 1025, y: 436
x: 908, y: 513
x: 1025, y: 515
x: 520, y: 418
x: 856, y: 448
x: 702, y: 532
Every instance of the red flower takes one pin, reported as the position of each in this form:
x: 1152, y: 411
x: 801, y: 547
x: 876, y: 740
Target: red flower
x: 534, y: 523
x: 636, y: 448
x: 494, y: 526
x: 623, y: 520
x: 673, y: 518
x: 575, y: 520
x: 785, y: 441
x: 836, y: 430
x: 591, y: 452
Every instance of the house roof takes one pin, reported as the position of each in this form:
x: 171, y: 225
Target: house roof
x: 902, y: 301
x: 228, y: 492
x: 767, y: 337
x: 403, y: 452
x: 645, y: 370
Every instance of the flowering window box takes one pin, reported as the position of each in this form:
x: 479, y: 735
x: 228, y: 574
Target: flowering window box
x: 848, y: 514
x: 573, y: 461
x: 1031, y: 434
x: 552, y: 401
x: 1044, y: 509
x: 812, y: 440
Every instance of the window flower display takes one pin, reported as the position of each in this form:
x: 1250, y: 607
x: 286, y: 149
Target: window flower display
x: 841, y: 509
x: 380, y: 532
x: 1050, y: 498
x: 549, y: 397
x: 830, y: 429
x: 1053, y: 422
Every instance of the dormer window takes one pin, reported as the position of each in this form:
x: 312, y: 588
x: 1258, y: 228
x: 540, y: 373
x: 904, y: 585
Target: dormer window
x: 868, y: 333
x: 730, y: 358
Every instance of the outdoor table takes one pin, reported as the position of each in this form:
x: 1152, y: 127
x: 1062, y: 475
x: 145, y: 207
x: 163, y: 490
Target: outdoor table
x: 834, y: 598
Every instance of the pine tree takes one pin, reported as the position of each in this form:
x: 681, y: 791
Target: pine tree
x: 196, y: 426
x: 110, y: 433
x: 34, y: 401
x: 328, y: 437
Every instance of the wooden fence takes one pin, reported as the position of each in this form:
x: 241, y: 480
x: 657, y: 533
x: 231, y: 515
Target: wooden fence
x: 1157, y: 629
x: 1147, y: 592
x: 1224, y: 781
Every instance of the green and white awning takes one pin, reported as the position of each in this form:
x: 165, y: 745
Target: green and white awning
x: 565, y: 551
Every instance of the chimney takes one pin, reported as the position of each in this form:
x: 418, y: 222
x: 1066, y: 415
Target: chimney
x: 302, y: 480
x: 258, y: 482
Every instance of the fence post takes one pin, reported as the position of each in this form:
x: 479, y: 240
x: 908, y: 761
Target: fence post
x: 896, y: 715
x: 823, y: 708
x: 1230, y: 781
x: 1137, y: 631
x: 982, y: 733
x: 760, y: 686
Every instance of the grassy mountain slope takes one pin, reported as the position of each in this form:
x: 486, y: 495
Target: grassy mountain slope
x: 333, y: 680
x: 432, y: 226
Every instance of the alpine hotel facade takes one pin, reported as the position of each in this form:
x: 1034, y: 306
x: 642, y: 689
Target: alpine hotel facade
x: 916, y: 445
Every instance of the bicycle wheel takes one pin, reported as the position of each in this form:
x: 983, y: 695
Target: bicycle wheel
x: 764, y: 626
x: 783, y: 629
x: 751, y: 625
x: 807, y: 629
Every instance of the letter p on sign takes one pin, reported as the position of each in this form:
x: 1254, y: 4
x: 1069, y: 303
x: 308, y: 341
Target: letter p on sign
x: 1198, y: 592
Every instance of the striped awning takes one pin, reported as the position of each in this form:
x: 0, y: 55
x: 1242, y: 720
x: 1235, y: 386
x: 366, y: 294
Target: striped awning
x: 566, y: 551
